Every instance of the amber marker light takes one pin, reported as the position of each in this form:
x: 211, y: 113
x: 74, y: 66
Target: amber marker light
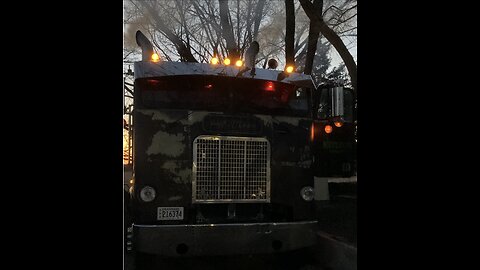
x: 155, y: 58
x: 328, y: 129
x: 214, y: 61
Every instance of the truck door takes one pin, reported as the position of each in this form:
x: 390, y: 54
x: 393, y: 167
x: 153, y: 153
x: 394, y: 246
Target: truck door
x: 335, y: 143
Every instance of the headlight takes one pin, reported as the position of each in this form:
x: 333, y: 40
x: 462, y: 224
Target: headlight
x: 147, y: 194
x: 307, y: 193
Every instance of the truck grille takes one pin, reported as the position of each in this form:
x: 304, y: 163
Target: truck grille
x: 230, y: 169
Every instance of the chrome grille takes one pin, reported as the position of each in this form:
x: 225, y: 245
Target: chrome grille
x: 230, y: 169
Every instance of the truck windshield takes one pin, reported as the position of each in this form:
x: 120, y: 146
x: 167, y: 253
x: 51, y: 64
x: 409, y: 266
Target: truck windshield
x: 228, y: 94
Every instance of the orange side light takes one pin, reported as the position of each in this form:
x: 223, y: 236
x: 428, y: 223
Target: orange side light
x: 312, y: 132
x: 338, y: 123
x: 328, y: 129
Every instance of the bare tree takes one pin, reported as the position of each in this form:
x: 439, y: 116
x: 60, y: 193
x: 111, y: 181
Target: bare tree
x: 313, y: 35
x: 316, y: 16
x: 257, y: 18
x: 195, y: 30
x: 290, y: 32
x: 183, y: 50
x: 227, y: 29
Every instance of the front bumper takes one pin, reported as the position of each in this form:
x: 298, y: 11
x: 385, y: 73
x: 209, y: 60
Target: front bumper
x: 223, y: 239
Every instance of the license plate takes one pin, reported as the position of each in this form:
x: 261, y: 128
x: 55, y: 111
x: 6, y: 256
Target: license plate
x: 170, y: 213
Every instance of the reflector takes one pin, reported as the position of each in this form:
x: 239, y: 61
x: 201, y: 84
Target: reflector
x: 269, y: 86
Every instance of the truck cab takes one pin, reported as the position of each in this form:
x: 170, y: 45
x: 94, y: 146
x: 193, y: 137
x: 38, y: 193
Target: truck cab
x: 223, y: 160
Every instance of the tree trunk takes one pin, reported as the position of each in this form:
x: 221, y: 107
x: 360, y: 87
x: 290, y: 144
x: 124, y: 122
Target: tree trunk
x: 333, y: 38
x: 258, y: 17
x: 227, y: 30
x: 183, y: 51
x: 290, y: 33
x: 313, y: 34
x: 238, y: 23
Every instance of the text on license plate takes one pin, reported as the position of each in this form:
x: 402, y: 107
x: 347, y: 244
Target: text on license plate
x: 170, y: 213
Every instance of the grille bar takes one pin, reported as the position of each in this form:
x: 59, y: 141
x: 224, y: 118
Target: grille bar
x: 230, y: 169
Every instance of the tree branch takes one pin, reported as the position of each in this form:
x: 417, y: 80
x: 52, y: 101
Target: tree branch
x: 313, y: 34
x: 183, y: 51
x: 258, y: 17
x: 289, y: 32
x: 128, y: 89
x: 227, y: 29
x: 333, y: 38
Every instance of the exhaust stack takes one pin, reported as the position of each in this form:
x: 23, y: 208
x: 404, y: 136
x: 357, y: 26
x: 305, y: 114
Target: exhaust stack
x: 145, y: 44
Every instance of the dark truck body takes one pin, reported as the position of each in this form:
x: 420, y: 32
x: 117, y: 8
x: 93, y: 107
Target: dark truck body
x: 335, y: 152
x: 234, y: 168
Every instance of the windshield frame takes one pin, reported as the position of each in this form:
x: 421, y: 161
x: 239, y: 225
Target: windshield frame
x: 231, y: 86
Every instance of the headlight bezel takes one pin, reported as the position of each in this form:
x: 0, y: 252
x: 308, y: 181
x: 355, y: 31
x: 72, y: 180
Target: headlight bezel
x: 147, y: 194
x: 307, y: 193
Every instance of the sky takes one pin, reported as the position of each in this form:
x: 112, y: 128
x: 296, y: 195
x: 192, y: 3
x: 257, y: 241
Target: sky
x: 337, y: 60
x: 301, y: 19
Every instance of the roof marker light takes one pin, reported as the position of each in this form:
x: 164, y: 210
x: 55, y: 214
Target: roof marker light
x: 214, y: 61
x: 155, y: 57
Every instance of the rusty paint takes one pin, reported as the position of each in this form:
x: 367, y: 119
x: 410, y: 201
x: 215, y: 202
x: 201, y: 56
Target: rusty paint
x: 181, y: 174
x: 167, y: 144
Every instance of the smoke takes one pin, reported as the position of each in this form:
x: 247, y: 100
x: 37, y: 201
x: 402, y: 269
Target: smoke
x: 134, y: 19
x: 129, y: 42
